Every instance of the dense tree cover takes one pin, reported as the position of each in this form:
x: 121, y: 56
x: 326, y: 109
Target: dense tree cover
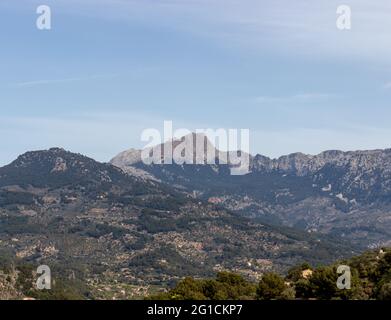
x: 370, y: 279
x: 12, y: 198
x: 273, y: 286
x: 226, y: 286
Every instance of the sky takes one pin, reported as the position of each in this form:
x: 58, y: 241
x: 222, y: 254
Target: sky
x: 108, y: 69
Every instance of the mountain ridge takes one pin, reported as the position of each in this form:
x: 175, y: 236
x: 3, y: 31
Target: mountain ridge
x: 346, y: 193
x: 96, y: 222
x: 289, y: 162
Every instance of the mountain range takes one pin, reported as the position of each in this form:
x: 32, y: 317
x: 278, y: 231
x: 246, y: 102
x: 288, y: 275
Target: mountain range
x: 125, y: 226
x: 346, y: 194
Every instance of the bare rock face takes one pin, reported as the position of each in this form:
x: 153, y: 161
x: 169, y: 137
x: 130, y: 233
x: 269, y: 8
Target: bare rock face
x: 127, y: 158
x: 190, y: 149
x: 60, y: 165
x: 364, y: 175
x: 302, y: 164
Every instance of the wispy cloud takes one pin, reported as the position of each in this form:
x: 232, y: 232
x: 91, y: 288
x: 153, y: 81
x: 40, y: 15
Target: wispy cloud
x: 304, y: 27
x: 59, y: 81
x: 295, y: 27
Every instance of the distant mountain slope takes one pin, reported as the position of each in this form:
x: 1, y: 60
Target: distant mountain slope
x: 96, y: 222
x: 57, y: 168
x: 341, y: 193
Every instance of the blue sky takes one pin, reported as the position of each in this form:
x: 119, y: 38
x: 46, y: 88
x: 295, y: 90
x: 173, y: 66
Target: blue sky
x: 110, y: 68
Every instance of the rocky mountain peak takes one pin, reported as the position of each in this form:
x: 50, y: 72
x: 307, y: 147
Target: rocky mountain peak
x: 57, y: 166
x: 195, y: 148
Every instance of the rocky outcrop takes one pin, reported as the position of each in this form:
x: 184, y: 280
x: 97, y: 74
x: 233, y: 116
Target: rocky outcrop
x: 302, y: 164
